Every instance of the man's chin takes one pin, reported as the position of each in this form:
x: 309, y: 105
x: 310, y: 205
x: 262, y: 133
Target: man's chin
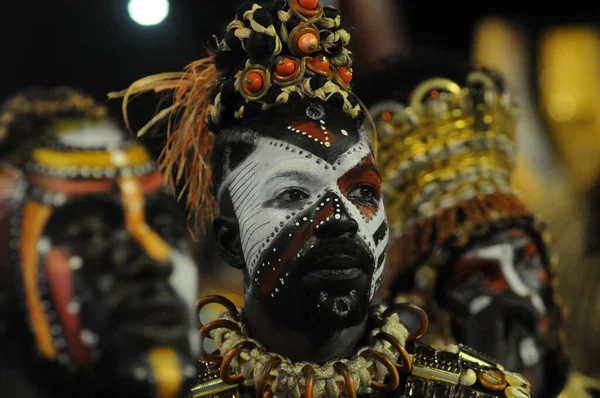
x: 343, y: 309
x: 336, y: 308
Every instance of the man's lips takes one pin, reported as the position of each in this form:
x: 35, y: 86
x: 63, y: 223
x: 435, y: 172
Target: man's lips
x: 336, y: 267
x: 336, y: 274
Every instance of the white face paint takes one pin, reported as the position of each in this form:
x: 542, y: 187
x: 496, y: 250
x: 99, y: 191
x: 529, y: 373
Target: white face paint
x: 514, y: 271
x: 184, y: 281
x: 296, y: 201
x: 502, y: 277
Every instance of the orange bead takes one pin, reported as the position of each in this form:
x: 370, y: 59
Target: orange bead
x: 308, y: 43
x: 309, y: 4
x: 345, y: 74
x: 253, y: 82
x: 285, y: 67
x: 320, y: 64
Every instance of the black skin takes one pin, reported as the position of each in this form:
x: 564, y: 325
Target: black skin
x: 124, y: 295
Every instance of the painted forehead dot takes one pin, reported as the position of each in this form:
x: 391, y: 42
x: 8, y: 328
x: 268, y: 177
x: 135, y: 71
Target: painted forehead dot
x: 189, y: 371
x: 73, y: 307
x: 88, y: 338
x: 140, y: 373
x: 43, y: 245
x: 75, y: 263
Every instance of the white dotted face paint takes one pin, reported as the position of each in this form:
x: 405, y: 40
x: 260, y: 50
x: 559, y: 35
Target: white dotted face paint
x: 528, y: 352
x: 279, y: 181
x: 184, y: 281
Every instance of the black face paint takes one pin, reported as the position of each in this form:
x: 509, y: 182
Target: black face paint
x: 319, y: 260
x: 125, y: 302
x: 320, y: 129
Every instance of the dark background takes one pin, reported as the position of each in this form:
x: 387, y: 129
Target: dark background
x: 94, y: 45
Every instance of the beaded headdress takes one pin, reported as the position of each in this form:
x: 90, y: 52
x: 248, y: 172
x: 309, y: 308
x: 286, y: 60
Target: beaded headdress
x: 446, y: 160
x: 58, y: 145
x: 273, y: 52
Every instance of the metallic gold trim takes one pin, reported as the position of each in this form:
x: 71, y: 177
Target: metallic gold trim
x: 429, y: 373
x: 133, y: 156
x: 416, y: 102
x: 211, y: 388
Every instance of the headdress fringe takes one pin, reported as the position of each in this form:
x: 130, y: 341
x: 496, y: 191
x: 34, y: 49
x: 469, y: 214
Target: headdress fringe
x: 185, y: 157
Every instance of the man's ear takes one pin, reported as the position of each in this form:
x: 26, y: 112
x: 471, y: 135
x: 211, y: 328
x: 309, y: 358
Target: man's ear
x: 227, y: 235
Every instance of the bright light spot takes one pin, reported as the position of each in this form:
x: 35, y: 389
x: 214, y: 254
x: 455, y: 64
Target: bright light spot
x: 148, y: 12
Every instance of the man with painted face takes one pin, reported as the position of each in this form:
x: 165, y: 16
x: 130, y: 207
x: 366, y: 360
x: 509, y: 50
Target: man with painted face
x: 97, y: 282
x: 465, y: 246
x: 300, y: 212
x: 306, y: 207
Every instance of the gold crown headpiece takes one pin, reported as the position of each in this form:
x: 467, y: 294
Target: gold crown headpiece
x: 448, y: 145
x: 446, y: 161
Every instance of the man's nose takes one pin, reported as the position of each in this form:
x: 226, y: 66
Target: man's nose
x: 338, y: 225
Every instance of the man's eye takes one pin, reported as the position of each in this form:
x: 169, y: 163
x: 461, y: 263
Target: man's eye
x: 292, y: 195
x: 365, y: 194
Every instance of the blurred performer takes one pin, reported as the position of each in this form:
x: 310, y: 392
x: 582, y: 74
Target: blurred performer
x: 96, y: 283
x: 567, y: 67
x: 301, y: 214
x: 570, y: 220
x: 463, y: 245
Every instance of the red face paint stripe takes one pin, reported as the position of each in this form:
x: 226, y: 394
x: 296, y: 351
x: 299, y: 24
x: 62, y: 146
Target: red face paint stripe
x: 69, y: 187
x: 73, y: 187
x: 364, y: 173
x: 466, y: 267
x: 495, y: 280
x: 315, y: 131
x: 367, y: 212
x: 60, y: 281
x: 301, y: 236
x: 152, y: 182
